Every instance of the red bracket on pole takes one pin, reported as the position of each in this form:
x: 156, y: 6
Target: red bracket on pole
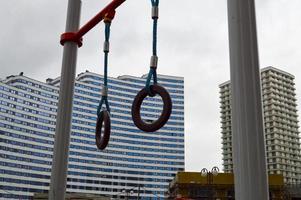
x: 108, y: 12
x: 71, y: 37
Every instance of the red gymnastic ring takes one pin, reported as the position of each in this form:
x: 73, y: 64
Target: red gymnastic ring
x: 102, y: 139
x: 136, y: 107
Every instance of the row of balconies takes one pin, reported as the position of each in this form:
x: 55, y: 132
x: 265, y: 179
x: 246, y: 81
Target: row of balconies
x: 278, y: 133
x: 271, y: 120
x: 272, y: 96
x: 290, y: 145
x: 225, y: 116
x: 294, y: 146
x: 225, y: 109
x: 277, y: 75
x: 279, y: 79
x: 279, y: 109
x: 225, y: 113
x: 272, y: 113
x: 226, y: 119
x: 227, y: 125
x: 279, y: 147
x: 293, y: 153
x: 282, y: 84
x: 228, y: 158
x: 267, y: 94
x: 227, y: 136
x: 280, y: 122
x: 280, y: 87
x: 270, y: 77
x: 273, y: 166
x: 278, y: 101
x: 292, y: 166
x: 285, y: 136
x: 272, y: 92
x: 276, y: 90
x: 225, y: 87
x: 226, y: 144
x: 228, y: 162
x: 288, y: 136
x: 225, y: 106
x: 287, y: 172
x: 289, y: 141
x: 271, y: 104
x: 225, y: 95
x: 276, y: 154
x: 226, y: 130
x: 227, y: 150
x: 280, y: 118
x: 283, y: 127
x: 285, y: 161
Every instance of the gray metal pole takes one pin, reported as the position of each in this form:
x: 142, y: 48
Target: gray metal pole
x: 64, y: 114
x: 249, y: 156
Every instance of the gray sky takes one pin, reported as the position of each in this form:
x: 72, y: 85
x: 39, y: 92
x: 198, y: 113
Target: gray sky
x: 193, y: 43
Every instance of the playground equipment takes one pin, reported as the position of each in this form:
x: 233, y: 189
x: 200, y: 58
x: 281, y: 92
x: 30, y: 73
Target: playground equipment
x: 248, y: 138
x: 152, y: 90
x: 103, y: 114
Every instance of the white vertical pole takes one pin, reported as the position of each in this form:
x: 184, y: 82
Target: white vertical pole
x: 248, y: 143
x: 64, y: 114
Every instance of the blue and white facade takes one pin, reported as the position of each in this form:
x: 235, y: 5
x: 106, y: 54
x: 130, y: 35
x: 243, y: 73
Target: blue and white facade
x: 28, y: 111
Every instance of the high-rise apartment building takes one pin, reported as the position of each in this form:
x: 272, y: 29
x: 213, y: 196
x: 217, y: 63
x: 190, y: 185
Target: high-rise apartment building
x: 280, y: 121
x: 134, y: 161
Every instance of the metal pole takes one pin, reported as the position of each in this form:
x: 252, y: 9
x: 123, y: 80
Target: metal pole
x: 249, y: 156
x: 63, y: 120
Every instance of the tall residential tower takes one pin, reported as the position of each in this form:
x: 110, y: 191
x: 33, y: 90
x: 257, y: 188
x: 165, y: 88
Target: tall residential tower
x: 280, y: 120
x: 143, y: 163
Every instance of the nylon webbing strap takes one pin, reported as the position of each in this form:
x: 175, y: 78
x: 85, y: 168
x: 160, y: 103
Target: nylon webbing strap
x: 154, y: 59
x: 106, y: 49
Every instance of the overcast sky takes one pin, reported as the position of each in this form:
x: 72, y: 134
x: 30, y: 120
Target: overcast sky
x: 193, y: 43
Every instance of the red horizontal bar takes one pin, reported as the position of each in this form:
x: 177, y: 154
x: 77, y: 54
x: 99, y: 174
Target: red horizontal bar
x: 98, y: 18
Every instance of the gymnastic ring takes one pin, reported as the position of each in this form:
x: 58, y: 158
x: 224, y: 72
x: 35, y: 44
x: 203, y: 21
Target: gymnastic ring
x: 102, y: 140
x: 136, y: 107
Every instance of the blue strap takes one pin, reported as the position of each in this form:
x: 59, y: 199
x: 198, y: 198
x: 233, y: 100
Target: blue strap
x: 104, y: 99
x: 107, y: 38
x: 155, y: 33
x: 155, y: 28
x: 152, y: 72
x: 155, y: 2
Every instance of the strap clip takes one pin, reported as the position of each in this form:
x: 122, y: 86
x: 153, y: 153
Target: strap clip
x: 104, y: 91
x: 155, y: 12
x: 154, y: 62
x: 106, y: 46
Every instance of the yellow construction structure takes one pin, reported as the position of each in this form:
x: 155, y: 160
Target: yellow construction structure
x: 220, y: 186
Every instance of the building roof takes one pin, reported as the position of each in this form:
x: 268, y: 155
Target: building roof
x: 263, y: 70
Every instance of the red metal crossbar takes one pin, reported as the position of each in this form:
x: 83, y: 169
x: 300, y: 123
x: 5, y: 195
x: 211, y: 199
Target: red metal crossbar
x: 109, y: 10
